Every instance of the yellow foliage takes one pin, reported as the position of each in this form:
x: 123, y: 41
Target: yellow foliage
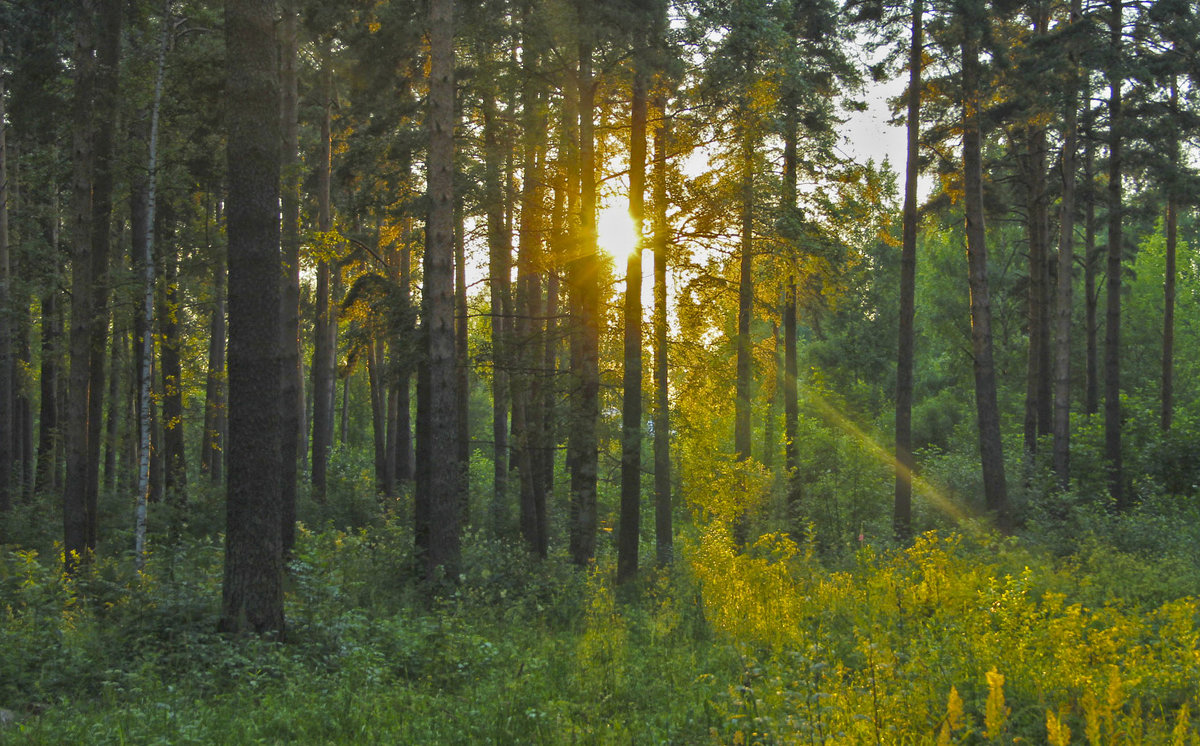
x: 995, y: 713
x: 1058, y: 733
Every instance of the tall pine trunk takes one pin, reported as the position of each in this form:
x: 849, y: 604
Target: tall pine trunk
x: 7, y: 367
x: 499, y: 274
x: 906, y: 337
x: 629, y: 530
x: 212, y: 449
x: 252, y: 596
x: 171, y: 368
x: 990, y: 446
x: 1112, y: 311
x: 584, y: 454
x: 291, y: 400
x: 664, y: 542
x: 741, y: 417
x: 1167, y: 403
x: 1065, y: 290
x: 1091, y: 394
x: 324, y: 343
x: 445, y: 484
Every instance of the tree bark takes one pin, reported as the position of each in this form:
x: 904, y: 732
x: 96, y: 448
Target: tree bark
x: 404, y: 446
x: 212, y: 449
x: 906, y: 337
x: 629, y: 529
x: 252, y: 597
x: 1037, y: 372
x: 324, y: 343
x: 499, y: 274
x: 664, y: 542
x: 584, y: 442
x: 990, y: 446
x: 462, y: 389
x: 1091, y: 397
x: 741, y: 428
x: 1112, y: 314
x: 446, y: 483
x: 7, y: 367
x: 1065, y: 290
x: 172, y: 375
x: 291, y: 402
x: 143, y: 228
x: 1167, y: 403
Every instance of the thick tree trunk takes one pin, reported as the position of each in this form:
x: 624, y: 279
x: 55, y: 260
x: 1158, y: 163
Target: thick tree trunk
x: 906, y: 337
x: 446, y: 483
x: 1112, y: 314
x: 108, y: 55
x: 988, y: 413
x: 663, y: 530
x: 584, y: 442
x: 144, y: 203
x: 324, y: 343
x: 525, y: 347
x: 629, y: 529
x: 291, y: 402
x: 1065, y: 290
x: 76, y: 518
x: 1037, y: 372
x: 252, y: 598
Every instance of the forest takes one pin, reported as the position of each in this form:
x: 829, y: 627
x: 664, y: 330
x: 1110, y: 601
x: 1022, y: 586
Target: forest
x: 579, y: 372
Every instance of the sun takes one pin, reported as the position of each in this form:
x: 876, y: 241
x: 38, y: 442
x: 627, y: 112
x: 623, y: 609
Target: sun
x: 615, y: 232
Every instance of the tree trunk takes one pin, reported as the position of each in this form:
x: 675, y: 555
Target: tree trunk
x: 252, y: 598
x: 212, y: 449
x: 404, y: 448
x: 664, y: 541
x: 379, y: 406
x: 990, y: 446
x: 1091, y: 399
x: 108, y: 55
x: 906, y: 338
x: 741, y: 427
x: 291, y: 400
x: 144, y: 203
x: 1172, y: 229
x: 462, y: 389
x: 499, y: 273
x: 7, y: 367
x: 629, y: 530
x: 1112, y: 315
x: 46, y: 477
x: 1037, y: 373
x: 172, y: 376
x: 324, y: 350
x: 446, y: 483
x: 584, y: 443
x: 114, y: 415
x: 1066, y: 265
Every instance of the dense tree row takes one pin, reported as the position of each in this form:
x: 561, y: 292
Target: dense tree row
x: 338, y: 178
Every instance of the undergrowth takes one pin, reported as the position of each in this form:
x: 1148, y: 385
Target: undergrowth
x: 958, y: 639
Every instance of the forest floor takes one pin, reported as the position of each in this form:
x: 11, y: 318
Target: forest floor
x: 956, y: 639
